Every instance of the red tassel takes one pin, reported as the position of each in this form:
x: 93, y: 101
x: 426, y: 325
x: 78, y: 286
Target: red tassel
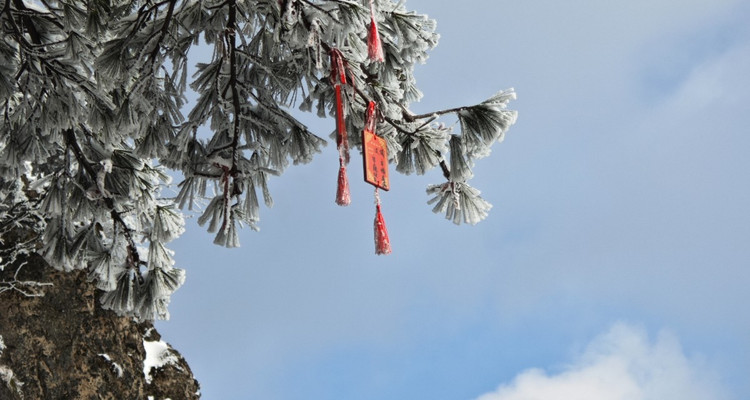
x: 374, y: 45
x: 343, y: 197
x: 382, y: 242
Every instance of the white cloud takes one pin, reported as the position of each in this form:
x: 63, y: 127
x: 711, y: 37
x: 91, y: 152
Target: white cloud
x: 622, y: 364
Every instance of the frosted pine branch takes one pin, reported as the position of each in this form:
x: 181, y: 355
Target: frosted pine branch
x: 93, y: 101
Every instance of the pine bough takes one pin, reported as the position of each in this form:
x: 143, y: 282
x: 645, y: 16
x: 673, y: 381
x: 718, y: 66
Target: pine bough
x: 92, y: 93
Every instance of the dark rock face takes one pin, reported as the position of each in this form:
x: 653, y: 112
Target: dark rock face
x: 65, y: 346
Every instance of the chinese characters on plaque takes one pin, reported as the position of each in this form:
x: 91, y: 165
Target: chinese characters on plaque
x: 376, y: 159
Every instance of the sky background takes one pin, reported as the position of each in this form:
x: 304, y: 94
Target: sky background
x: 614, y: 264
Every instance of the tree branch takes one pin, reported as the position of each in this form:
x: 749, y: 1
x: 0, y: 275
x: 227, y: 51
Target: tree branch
x: 35, y: 287
x: 133, y: 258
x: 163, y: 32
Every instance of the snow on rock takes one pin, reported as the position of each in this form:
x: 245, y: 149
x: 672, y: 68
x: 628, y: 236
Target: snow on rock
x: 7, y: 377
x: 116, y: 368
x: 2, y: 344
x: 158, y: 354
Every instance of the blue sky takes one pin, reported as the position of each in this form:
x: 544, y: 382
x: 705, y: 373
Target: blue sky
x: 613, y: 265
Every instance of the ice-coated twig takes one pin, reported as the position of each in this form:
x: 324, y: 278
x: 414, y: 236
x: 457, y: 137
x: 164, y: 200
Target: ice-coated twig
x: 26, y: 288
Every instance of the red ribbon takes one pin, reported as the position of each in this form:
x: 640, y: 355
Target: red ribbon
x: 338, y: 78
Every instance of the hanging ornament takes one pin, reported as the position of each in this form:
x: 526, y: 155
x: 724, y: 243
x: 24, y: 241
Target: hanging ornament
x: 382, y: 242
x: 342, y: 139
x: 374, y: 45
x: 375, y: 152
x: 338, y: 78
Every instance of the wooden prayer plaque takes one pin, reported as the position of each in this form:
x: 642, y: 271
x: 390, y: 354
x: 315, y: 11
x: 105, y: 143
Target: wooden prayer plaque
x: 375, y: 152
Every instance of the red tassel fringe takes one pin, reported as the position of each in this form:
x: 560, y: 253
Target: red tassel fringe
x: 374, y: 45
x: 382, y: 242
x: 343, y: 197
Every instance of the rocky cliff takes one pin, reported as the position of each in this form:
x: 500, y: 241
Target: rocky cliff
x: 63, y: 345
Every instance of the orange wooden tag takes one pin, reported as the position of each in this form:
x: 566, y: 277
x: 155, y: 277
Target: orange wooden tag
x: 376, y: 159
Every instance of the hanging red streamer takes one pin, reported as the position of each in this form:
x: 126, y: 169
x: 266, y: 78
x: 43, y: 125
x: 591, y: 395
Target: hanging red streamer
x: 342, y: 139
x: 375, y: 153
x: 338, y: 70
x: 338, y: 78
x: 382, y: 242
x: 374, y: 45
